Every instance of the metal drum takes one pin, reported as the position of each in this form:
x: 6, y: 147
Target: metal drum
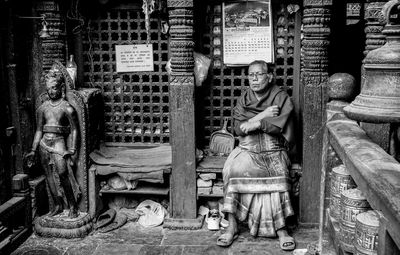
x: 352, y: 203
x: 366, y: 236
x: 340, y: 181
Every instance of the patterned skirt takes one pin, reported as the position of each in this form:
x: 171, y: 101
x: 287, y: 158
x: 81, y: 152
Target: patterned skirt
x: 256, y: 188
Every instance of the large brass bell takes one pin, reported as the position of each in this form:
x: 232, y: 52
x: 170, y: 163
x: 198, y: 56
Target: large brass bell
x: 379, y: 100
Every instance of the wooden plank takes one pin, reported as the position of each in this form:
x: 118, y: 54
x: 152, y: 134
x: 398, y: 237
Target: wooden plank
x: 324, y: 160
x: 209, y: 170
x: 386, y: 244
x: 183, y: 178
x: 10, y: 206
x: 313, y: 121
x: 146, y: 190
x: 211, y: 195
x: 297, y: 89
x: 376, y: 173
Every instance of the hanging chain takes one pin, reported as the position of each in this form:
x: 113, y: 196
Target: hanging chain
x: 148, y: 8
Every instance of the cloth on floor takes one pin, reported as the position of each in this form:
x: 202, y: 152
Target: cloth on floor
x: 151, y: 213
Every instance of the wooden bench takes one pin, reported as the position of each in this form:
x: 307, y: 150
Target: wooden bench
x: 377, y: 175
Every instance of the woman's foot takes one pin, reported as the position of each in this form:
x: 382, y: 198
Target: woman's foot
x: 286, y: 242
x: 227, y: 238
x: 231, y: 234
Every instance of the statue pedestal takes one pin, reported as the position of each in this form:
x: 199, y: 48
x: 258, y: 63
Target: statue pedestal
x: 62, y: 226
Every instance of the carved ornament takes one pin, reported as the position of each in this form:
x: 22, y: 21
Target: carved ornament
x: 180, y: 3
x: 316, y: 3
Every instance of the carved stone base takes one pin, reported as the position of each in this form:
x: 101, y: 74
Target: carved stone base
x: 62, y: 226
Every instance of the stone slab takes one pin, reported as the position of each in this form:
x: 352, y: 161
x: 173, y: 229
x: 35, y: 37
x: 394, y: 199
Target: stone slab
x: 157, y: 250
x: 205, y: 249
x: 120, y: 249
x: 195, y: 237
x: 132, y: 233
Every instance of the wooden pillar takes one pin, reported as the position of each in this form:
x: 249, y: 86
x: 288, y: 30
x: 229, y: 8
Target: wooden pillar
x: 78, y: 53
x: 314, y: 73
x: 16, y: 151
x: 181, y: 101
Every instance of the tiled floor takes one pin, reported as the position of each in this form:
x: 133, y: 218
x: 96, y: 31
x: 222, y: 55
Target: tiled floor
x: 133, y: 239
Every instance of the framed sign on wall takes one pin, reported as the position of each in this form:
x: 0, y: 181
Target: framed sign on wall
x: 134, y: 58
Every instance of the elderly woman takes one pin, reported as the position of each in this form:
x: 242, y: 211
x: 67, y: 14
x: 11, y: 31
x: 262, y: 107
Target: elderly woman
x: 255, y: 174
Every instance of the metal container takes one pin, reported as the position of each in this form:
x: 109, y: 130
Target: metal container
x: 340, y: 181
x: 352, y: 203
x: 366, y: 233
x: 379, y: 99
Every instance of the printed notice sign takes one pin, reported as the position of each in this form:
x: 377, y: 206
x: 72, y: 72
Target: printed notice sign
x: 247, y: 32
x: 134, y: 58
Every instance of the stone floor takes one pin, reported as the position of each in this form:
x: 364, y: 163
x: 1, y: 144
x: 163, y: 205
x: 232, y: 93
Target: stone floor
x: 133, y: 239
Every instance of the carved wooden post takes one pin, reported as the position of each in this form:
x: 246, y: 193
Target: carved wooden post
x: 181, y: 101
x: 314, y: 73
x: 374, y: 25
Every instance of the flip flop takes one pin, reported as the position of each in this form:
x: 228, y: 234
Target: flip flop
x: 118, y: 222
x: 105, y: 218
x: 287, y: 240
x: 227, y: 243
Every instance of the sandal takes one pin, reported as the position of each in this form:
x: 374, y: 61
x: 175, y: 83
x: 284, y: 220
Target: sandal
x: 287, y: 243
x: 226, y: 242
x: 105, y: 218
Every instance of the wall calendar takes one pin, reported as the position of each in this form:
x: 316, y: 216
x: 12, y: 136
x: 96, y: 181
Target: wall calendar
x: 247, y: 32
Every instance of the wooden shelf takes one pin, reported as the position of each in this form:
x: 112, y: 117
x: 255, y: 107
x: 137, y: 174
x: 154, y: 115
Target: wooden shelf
x: 211, y: 195
x: 208, y: 170
x: 147, y: 190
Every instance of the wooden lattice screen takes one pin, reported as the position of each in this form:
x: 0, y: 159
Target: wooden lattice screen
x: 136, y: 104
x: 225, y: 84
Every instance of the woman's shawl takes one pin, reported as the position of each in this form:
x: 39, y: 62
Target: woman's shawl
x: 249, y: 106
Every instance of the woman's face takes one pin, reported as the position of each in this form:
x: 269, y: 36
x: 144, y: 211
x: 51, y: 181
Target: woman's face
x: 258, y: 78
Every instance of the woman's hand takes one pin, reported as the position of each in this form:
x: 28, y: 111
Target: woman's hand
x: 249, y: 126
x: 272, y: 111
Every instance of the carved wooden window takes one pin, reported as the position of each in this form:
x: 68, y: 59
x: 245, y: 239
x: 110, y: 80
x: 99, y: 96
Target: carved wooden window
x: 225, y: 84
x: 136, y: 104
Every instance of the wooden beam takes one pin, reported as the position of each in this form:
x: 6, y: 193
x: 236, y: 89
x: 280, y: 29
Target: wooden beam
x: 376, y: 173
x: 181, y: 107
x: 183, y: 183
x: 313, y: 74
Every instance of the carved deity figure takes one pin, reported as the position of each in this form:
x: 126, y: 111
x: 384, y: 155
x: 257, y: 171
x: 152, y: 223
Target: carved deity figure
x: 56, y: 141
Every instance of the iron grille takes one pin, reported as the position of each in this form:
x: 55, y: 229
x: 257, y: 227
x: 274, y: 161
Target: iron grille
x: 136, y: 104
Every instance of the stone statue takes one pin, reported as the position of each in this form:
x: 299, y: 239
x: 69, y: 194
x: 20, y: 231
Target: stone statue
x: 56, y: 140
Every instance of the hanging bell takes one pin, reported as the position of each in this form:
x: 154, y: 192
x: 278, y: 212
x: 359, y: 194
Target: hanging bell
x: 379, y: 99
x: 44, y: 33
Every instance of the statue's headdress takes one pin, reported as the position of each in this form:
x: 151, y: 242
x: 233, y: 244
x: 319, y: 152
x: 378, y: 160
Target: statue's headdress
x: 59, y: 72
